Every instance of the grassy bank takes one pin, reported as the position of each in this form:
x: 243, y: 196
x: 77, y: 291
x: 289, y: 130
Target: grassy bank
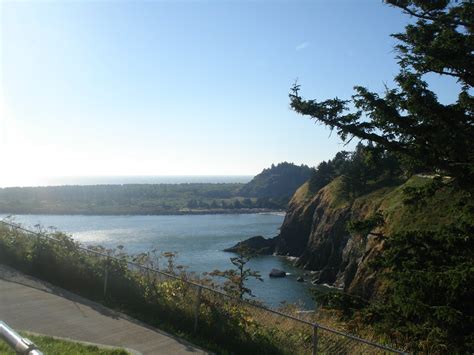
x: 53, y: 346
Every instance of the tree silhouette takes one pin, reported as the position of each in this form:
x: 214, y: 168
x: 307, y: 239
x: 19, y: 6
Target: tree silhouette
x: 409, y: 119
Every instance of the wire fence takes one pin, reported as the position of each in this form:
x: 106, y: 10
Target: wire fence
x: 201, y: 307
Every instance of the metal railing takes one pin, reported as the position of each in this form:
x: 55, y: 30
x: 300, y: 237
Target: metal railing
x: 18, y: 343
x: 322, y: 339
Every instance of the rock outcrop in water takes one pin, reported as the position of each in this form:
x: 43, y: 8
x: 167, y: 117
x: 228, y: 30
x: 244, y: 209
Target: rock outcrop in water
x: 257, y: 244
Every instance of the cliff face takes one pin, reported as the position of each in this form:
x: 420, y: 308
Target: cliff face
x: 315, y: 231
x: 296, y: 227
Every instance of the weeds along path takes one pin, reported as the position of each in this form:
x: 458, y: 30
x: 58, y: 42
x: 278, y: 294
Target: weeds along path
x: 27, y: 303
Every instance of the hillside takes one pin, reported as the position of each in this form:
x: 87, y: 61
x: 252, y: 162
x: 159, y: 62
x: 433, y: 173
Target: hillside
x: 278, y: 181
x: 401, y: 263
x: 315, y: 230
x: 403, y: 267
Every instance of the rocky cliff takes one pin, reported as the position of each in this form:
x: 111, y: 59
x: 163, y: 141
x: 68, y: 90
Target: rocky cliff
x: 315, y: 231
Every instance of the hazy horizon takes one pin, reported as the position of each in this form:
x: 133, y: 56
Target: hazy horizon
x: 86, y: 180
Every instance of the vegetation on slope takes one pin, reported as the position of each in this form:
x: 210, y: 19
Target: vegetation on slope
x: 420, y: 243
x: 425, y: 268
x: 405, y: 266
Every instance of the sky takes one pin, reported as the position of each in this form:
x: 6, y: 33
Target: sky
x: 181, y: 87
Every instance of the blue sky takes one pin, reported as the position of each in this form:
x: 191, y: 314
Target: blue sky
x: 181, y: 87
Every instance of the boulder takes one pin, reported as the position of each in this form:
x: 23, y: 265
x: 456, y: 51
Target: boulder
x: 300, y: 279
x: 277, y: 273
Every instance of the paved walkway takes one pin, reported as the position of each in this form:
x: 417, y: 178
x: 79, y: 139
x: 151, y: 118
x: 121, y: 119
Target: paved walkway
x: 30, y: 304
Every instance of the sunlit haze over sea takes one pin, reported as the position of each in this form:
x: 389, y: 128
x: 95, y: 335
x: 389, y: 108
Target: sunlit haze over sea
x: 118, y: 180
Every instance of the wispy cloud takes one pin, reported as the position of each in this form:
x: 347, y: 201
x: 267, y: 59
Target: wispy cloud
x: 302, y: 46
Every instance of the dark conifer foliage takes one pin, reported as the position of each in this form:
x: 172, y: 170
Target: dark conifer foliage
x: 409, y: 120
x: 365, y: 168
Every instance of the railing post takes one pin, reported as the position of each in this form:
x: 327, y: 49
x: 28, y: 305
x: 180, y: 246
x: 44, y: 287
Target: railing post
x: 315, y: 339
x: 106, y: 276
x: 19, y: 344
x: 196, y: 308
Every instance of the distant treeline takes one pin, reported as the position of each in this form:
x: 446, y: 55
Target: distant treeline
x: 127, y: 199
x: 157, y: 198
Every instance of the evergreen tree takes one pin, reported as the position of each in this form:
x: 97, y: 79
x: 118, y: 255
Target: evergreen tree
x: 409, y: 120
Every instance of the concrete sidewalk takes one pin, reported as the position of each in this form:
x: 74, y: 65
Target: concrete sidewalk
x: 27, y: 303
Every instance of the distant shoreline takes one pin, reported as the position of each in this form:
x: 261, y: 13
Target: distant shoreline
x: 138, y: 199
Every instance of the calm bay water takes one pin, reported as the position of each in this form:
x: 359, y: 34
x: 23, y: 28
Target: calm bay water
x: 197, y: 240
